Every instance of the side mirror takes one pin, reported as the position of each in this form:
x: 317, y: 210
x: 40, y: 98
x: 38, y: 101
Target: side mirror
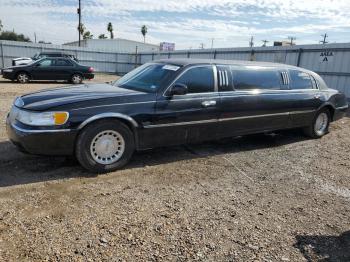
x: 178, y: 89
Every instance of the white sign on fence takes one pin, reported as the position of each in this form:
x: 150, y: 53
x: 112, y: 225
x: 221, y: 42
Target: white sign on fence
x: 326, y: 56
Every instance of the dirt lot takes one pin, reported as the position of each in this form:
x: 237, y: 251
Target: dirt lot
x: 258, y: 198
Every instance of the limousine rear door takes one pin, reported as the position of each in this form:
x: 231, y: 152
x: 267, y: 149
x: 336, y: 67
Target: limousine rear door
x: 190, y: 117
x: 252, y: 100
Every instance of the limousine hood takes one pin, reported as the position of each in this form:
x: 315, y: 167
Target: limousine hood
x: 50, y: 98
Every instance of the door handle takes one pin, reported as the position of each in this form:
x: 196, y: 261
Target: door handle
x: 208, y: 103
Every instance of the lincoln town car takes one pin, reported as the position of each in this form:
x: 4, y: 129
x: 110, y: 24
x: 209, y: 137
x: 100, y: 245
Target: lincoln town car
x: 171, y: 102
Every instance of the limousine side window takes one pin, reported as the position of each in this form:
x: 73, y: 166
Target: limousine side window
x: 198, y: 79
x: 300, y: 80
x: 249, y: 79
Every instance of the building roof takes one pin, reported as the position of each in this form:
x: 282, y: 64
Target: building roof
x: 111, y: 40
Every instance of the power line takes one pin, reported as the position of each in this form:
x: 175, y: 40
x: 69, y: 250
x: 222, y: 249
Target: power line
x: 265, y: 42
x: 292, y: 38
x: 79, y: 25
x: 324, y: 41
x: 251, y: 42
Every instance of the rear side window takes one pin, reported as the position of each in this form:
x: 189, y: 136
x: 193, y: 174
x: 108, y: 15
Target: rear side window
x: 300, y: 80
x: 63, y: 62
x: 198, y: 79
x: 249, y: 79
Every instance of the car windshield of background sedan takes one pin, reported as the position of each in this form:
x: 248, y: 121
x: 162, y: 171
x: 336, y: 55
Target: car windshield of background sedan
x: 147, y: 78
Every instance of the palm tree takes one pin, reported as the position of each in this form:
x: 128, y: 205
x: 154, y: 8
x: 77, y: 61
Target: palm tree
x: 110, y: 29
x: 144, y: 30
x: 87, y: 35
x: 102, y: 36
x: 81, y: 28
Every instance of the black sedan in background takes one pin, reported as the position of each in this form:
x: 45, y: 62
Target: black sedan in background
x: 171, y: 102
x: 49, y: 69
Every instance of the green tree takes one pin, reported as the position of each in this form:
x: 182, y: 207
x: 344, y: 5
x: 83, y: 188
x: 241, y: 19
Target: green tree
x: 87, y: 35
x: 110, y: 29
x: 1, y: 26
x: 102, y: 36
x: 9, y: 35
x: 144, y: 30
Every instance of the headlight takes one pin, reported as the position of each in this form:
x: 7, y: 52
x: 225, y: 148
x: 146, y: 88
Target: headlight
x: 7, y: 70
x: 42, y: 119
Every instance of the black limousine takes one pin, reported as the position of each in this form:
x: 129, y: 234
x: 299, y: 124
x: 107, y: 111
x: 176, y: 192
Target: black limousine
x: 171, y: 102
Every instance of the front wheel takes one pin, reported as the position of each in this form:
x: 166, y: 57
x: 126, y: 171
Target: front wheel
x: 320, y: 124
x: 23, y: 78
x: 105, y: 146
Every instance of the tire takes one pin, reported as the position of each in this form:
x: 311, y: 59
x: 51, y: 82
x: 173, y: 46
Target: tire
x: 105, y: 146
x: 22, y: 77
x: 76, y: 79
x: 320, y: 124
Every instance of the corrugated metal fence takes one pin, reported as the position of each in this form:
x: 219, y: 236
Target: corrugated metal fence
x: 102, y: 61
x: 331, y: 61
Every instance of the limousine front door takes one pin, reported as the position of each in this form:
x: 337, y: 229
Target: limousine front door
x: 187, y: 118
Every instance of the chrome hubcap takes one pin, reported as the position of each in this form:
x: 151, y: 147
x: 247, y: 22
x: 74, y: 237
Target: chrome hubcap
x: 76, y: 79
x: 23, y: 78
x: 321, y: 124
x: 107, y: 147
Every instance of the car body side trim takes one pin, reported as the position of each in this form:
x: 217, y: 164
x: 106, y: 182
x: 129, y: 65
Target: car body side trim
x: 342, y: 107
x: 39, y: 131
x: 108, y: 115
x: 130, y: 103
x: 228, y: 119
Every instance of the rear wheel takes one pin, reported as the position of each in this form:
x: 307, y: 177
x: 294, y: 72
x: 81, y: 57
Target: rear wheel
x: 76, y: 79
x: 105, y: 146
x: 23, y: 77
x: 320, y: 124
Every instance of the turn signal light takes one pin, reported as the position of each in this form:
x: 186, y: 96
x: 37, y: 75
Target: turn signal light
x: 60, y: 118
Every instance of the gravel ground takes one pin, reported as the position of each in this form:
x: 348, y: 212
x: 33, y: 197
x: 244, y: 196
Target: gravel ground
x: 257, y: 198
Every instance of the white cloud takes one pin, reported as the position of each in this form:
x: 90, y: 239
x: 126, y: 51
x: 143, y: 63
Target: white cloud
x: 230, y: 22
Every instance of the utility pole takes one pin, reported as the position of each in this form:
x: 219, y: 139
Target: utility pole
x: 201, y: 46
x: 79, y: 14
x: 265, y: 42
x: 324, y: 41
x: 34, y: 37
x: 292, y: 38
x: 212, y: 43
x: 251, y: 42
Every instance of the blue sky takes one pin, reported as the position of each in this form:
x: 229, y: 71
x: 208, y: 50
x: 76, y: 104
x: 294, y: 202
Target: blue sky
x: 188, y: 23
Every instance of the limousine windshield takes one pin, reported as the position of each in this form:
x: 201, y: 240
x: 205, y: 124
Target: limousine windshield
x: 148, y: 77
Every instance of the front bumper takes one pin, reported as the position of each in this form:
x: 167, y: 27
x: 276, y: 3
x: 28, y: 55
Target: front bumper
x: 89, y: 76
x: 8, y: 75
x: 52, y: 142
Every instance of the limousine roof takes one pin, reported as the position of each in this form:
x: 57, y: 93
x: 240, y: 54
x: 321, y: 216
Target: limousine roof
x: 194, y: 61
